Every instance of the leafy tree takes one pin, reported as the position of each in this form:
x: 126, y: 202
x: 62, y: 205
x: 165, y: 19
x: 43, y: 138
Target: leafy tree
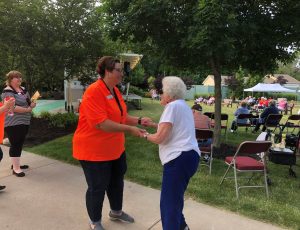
x: 215, y: 34
x: 150, y: 81
x: 290, y: 68
x: 49, y: 40
x: 137, y: 75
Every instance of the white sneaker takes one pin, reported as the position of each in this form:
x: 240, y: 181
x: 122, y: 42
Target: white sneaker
x: 232, y: 131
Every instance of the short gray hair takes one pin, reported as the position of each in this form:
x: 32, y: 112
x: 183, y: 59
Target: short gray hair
x: 174, y: 87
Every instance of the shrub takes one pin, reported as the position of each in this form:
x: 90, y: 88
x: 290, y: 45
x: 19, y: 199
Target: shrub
x: 63, y: 120
x: 60, y: 120
x: 136, y: 90
x: 45, y: 115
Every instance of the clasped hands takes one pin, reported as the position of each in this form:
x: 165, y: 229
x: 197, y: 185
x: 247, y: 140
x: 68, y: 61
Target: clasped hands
x: 146, y: 122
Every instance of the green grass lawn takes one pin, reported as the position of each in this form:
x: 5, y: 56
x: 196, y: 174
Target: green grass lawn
x: 144, y: 167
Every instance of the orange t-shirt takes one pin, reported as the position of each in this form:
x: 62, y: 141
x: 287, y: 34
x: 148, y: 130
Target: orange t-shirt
x: 97, y: 105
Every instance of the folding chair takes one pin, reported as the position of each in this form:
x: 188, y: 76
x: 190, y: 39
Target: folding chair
x: 224, y: 122
x: 293, y: 122
x: 202, y: 135
x: 248, y: 123
x: 272, y: 121
x: 289, y: 108
x: 240, y: 163
x: 209, y: 114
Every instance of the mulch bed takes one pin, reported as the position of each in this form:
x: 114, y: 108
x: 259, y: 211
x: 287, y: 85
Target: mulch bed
x: 40, y: 132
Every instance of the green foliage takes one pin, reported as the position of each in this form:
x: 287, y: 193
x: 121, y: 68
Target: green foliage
x: 221, y: 36
x: 45, y: 115
x: 60, y: 120
x: 150, y: 81
x: 290, y: 68
x: 49, y: 40
x: 136, y: 90
x: 137, y: 75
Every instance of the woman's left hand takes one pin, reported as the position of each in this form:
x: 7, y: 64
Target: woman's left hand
x: 32, y: 104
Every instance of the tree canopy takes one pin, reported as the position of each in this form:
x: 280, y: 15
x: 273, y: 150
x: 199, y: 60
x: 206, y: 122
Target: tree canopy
x: 221, y: 35
x: 49, y: 40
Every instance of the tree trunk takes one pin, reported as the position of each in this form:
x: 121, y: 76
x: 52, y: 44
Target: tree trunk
x: 218, y: 98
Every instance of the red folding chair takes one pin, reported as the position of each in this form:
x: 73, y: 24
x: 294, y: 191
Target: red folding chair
x: 244, y: 160
x: 203, y: 135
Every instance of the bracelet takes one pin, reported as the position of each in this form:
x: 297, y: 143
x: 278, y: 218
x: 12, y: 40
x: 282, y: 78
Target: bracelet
x: 140, y: 120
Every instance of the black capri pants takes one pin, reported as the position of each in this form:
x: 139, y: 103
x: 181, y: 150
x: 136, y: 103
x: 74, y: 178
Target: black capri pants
x: 16, y: 135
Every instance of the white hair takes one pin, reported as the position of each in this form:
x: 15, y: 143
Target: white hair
x: 174, y: 87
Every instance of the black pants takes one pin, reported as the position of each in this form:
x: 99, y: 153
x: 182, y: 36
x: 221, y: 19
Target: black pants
x: 233, y: 125
x: 101, y: 177
x: 16, y: 135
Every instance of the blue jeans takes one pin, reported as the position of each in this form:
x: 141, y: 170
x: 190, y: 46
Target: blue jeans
x: 176, y: 176
x: 101, y: 177
x: 205, y: 143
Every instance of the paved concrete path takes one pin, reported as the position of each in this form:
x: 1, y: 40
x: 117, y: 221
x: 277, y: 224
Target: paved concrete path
x: 51, y: 197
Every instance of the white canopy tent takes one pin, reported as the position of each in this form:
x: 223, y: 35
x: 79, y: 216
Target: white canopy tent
x: 274, y: 88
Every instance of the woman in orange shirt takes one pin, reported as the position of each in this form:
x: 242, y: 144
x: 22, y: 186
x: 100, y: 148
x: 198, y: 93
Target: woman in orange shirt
x: 6, y: 106
x: 99, y: 140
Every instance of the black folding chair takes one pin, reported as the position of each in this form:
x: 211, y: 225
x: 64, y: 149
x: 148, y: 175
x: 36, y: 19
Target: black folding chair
x: 248, y: 121
x: 224, y: 122
x: 272, y: 122
x: 292, y: 122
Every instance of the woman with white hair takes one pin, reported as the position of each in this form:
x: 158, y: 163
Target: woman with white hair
x: 178, y: 151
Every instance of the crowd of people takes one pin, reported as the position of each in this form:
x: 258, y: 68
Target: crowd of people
x: 209, y: 100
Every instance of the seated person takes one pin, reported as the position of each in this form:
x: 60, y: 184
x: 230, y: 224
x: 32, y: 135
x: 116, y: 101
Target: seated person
x: 154, y: 94
x: 201, y: 122
x: 251, y: 101
x: 271, y: 109
x: 199, y: 100
x: 211, y: 100
x: 282, y: 105
x: 261, y: 103
x: 241, y: 110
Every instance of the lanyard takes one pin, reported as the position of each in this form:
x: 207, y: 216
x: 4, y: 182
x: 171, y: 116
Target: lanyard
x: 115, y: 96
x: 23, y: 93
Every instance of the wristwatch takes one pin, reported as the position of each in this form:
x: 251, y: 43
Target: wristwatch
x: 140, y: 120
